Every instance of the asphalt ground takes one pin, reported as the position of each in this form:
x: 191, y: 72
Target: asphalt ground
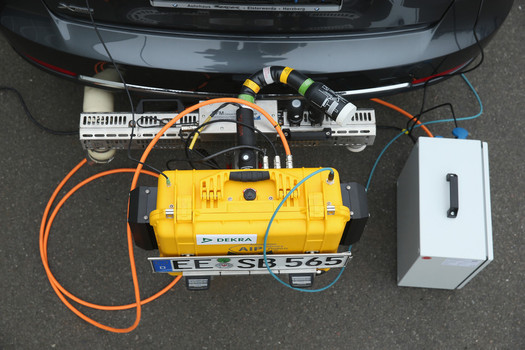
x: 364, y: 310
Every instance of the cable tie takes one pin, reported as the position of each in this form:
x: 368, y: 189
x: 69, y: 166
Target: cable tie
x: 267, y: 74
x: 250, y: 84
x: 285, y: 74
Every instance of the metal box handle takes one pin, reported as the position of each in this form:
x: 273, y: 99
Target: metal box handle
x: 454, y: 200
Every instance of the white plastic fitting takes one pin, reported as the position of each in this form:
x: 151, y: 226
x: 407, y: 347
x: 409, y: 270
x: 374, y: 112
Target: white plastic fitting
x: 346, y: 114
x: 100, y: 101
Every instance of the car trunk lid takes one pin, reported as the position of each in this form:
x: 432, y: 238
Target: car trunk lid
x: 259, y: 16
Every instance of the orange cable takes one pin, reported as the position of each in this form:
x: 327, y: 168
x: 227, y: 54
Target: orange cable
x: 46, y: 223
x: 96, y: 66
x: 405, y: 113
x: 61, y: 291
x: 46, y: 237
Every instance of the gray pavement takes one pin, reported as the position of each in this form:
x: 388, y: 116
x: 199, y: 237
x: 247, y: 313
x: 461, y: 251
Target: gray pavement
x: 364, y: 310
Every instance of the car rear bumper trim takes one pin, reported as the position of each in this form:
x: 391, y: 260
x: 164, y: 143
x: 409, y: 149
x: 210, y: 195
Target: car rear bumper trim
x: 197, y: 94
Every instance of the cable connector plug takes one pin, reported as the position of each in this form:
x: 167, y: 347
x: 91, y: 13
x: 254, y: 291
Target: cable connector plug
x: 266, y: 162
x: 289, y: 161
x: 460, y: 133
x: 277, y: 162
x: 331, y: 176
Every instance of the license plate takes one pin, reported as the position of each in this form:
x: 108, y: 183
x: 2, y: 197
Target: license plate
x: 249, y: 264
x: 264, y: 5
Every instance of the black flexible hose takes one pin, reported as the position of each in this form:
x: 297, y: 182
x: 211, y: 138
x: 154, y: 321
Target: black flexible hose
x: 318, y: 94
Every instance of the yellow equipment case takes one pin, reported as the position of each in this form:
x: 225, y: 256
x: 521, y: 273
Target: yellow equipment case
x: 224, y: 212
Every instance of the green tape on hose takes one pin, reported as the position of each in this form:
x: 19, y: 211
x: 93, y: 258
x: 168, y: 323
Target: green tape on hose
x: 304, y: 86
x: 247, y: 97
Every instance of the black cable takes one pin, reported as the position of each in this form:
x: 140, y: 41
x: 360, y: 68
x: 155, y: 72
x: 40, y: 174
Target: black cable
x: 201, y: 153
x: 216, y: 110
x: 448, y: 104
x: 212, y: 163
x: 196, y: 131
x: 421, y: 112
x: 95, y: 27
x: 391, y: 127
x: 410, y: 127
x: 158, y: 122
x: 482, y: 58
x: 32, y: 118
x: 418, y: 116
x: 481, y: 51
x: 192, y: 134
x: 234, y: 148
x: 161, y: 122
x: 185, y: 142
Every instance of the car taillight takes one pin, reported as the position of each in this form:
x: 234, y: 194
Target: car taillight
x: 442, y: 74
x: 51, y: 67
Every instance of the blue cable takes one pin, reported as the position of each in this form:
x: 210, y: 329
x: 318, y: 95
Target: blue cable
x: 270, y: 225
x: 463, y: 118
x: 379, y: 157
x: 426, y: 123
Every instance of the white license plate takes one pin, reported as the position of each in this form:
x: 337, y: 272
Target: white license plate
x: 266, y: 6
x: 247, y: 264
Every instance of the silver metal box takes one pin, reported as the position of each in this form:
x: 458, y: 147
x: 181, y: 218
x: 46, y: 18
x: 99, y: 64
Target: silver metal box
x: 444, y: 228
